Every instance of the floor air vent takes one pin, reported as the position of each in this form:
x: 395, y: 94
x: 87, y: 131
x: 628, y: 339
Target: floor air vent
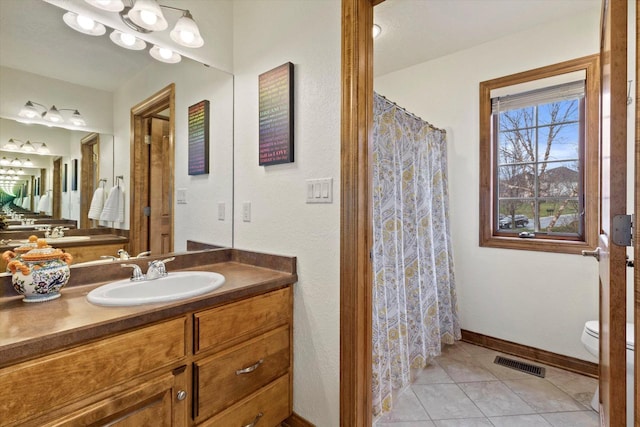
x: 520, y: 366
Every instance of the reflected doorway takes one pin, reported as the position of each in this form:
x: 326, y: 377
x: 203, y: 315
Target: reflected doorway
x: 56, y: 211
x: 89, y: 176
x: 152, y: 173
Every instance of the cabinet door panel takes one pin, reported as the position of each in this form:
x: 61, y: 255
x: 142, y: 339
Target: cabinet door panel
x: 78, y: 373
x: 269, y: 407
x: 233, y: 323
x: 240, y: 371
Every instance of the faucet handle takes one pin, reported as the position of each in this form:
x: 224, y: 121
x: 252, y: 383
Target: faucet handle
x: 143, y: 254
x: 157, y: 268
x: 136, y: 275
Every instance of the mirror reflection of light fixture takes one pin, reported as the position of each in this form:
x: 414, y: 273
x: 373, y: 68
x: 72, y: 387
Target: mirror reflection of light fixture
x: 376, y: 30
x: 52, y: 114
x: 4, y: 161
x: 16, y: 162
x: 28, y: 163
x: 83, y: 24
x: 164, y: 55
x: 26, y: 147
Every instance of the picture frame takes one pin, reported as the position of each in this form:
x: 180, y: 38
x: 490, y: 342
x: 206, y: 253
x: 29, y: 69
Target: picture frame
x: 275, y: 116
x: 199, y: 138
x: 74, y: 175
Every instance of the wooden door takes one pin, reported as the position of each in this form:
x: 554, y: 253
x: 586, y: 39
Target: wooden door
x: 89, y: 176
x: 612, y: 265
x: 56, y: 211
x: 160, y: 203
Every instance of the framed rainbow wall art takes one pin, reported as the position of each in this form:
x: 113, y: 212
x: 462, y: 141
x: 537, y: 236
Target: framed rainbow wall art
x: 199, y: 138
x: 276, y: 115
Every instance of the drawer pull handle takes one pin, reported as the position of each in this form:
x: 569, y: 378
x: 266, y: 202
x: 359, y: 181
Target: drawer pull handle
x: 255, y: 420
x: 250, y: 369
x: 181, y: 395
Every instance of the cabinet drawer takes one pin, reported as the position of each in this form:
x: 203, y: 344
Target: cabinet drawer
x: 263, y: 359
x: 236, y: 322
x: 269, y: 407
x: 82, y: 371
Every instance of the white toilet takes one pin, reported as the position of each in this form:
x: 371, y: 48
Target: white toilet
x: 590, y: 337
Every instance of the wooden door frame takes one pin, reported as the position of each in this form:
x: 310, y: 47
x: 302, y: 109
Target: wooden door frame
x: 86, y: 187
x: 355, y: 213
x: 355, y: 235
x: 161, y: 100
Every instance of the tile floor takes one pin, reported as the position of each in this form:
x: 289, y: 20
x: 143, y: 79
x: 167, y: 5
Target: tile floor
x: 464, y: 388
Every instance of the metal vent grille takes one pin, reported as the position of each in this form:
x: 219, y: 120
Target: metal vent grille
x: 528, y: 368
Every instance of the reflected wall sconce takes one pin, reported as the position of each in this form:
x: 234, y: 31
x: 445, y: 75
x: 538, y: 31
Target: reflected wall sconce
x: 26, y: 147
x: 143, y: 16
x: 52, y: 114
x: 16, y: 162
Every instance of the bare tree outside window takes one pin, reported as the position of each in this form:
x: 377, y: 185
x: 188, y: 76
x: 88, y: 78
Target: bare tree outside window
x: 538, y: 172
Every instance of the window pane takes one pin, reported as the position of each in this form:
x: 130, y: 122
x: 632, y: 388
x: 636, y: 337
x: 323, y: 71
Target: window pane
x: 557, y: 179
x: 558, y: 142
x: 517, y: 119
x: 515, y: 215
x: 559, y: 112
x: 516, y: 181
x: 560, y: 215
x: 516, y: 146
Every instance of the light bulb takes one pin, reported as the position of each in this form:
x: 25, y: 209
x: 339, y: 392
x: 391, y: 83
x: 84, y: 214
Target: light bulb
x: 187, y: 36
x: 165, y: 53
x: 128, y: 39
x: 85, y: 22
x: 148, y: 18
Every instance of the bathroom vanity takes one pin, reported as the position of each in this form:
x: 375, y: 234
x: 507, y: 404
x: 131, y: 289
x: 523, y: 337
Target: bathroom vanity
x: 220, y: 359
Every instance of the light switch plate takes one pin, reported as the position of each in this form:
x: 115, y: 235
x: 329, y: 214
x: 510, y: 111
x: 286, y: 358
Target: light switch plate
x: 246, y: 211
x: 320, y: 190
x: 221, y: 211
x: 181, y: 196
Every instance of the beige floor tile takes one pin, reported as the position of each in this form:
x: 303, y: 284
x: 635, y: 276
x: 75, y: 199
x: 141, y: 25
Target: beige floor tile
x: 406, y: 424
x: 465, y: 371
x: 543, y: 396
x: 454, y: 351
x: 466, y: 422
x: 406, y: 407
x: 432, y: 374
x: 444, y: 401
x: 580, y: 387
x: 573, y: 419
x: 494, y: 399
x: 519, y: 421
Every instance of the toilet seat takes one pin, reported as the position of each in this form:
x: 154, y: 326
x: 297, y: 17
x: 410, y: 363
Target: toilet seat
x: 592, y: 328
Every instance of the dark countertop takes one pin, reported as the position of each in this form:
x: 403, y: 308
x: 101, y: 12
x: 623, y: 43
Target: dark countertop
x: 28, y: 330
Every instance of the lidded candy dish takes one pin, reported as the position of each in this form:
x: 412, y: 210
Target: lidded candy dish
x: 40, y: 273
x: 16, y: 253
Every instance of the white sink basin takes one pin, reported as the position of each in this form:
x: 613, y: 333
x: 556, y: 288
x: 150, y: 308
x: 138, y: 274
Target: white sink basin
x: 53, y: 240
x: 176, y: 286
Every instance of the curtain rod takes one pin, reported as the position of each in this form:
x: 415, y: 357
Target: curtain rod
x: 410, y: 113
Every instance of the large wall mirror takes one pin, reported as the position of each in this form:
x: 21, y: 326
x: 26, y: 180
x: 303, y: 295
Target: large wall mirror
x: 46, y: 62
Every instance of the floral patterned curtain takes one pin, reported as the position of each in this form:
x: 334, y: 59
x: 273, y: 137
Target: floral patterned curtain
x: 414, y: 297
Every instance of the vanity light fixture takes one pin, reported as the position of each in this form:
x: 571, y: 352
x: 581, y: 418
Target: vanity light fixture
x: 83, y: 24
x: 28, y: 163
x: 16, y: 162
x: 108, y: 5
x: 4, y: 161
x: 126, y: 40
x: 52, y: 114
x: 27, y: 147
x: 164, y: 55
x: 11, y: 145
x: 43, y: 149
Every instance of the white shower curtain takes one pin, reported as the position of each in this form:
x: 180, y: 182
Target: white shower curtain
x: 414, y: 297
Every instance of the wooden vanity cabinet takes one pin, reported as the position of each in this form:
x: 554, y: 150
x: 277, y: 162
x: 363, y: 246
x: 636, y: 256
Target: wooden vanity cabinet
x: 119, y: 380
x: 243, y: 364
x: 230, y: 365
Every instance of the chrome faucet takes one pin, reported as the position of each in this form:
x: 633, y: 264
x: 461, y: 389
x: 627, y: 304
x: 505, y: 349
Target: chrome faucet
x: 58, y: 232
x: 156, y: 270
x: 136, y: 274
